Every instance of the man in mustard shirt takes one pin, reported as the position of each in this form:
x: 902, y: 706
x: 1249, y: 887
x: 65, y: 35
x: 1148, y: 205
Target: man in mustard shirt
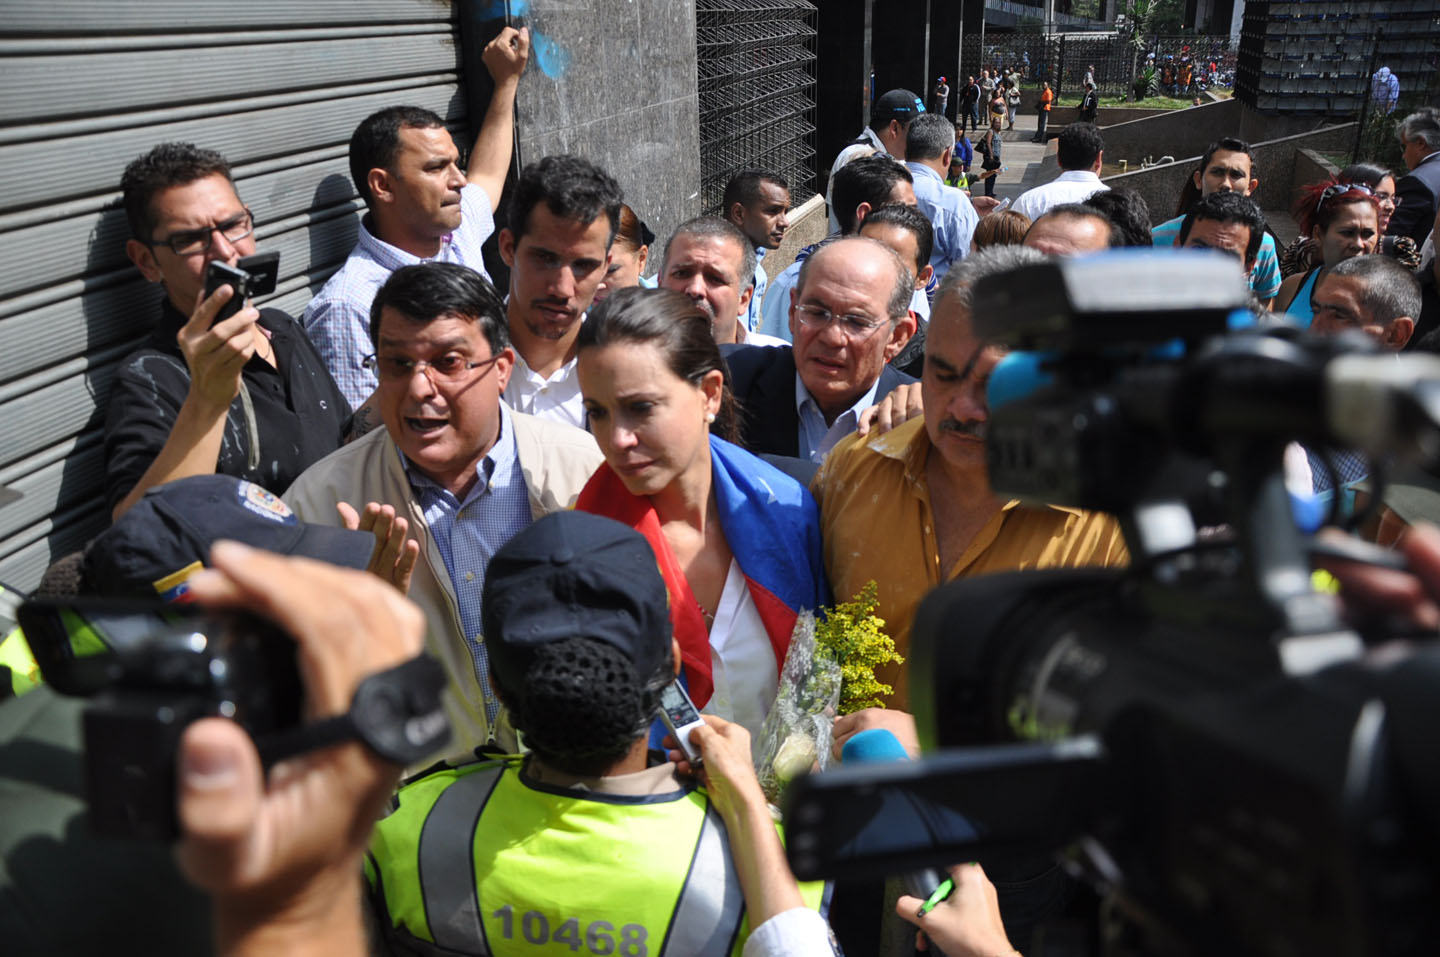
x: 927, y: 486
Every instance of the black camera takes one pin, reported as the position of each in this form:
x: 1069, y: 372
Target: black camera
x: 151, y: 670
x: 1230, y: 763
x: 250, y: 277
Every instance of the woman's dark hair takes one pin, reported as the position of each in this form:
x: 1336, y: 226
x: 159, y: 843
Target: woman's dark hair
x: 1319, y: 204
x: 583, y: 704
x: 1368, y: 173
x: 633, y: 233
x: 678, y: 328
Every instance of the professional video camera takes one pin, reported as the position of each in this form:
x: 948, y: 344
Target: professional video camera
x: 1233, y: 766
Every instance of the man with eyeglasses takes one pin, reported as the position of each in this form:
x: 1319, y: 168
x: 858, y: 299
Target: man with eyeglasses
x: 420, y: 206
x: 247, y: 396
x: 849, y: 316
x: 454, y: 473
x: 926, y: 483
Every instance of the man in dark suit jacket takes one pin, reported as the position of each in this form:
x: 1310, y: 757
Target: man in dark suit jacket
x: 849, y: 316
x: 1416, y: 193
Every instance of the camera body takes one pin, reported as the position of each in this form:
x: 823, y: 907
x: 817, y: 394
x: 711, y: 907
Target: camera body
x: 150, y: 671
x: 1231, y: 764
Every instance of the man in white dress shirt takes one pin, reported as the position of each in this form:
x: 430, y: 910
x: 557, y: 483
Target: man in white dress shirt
x: 1082, y: 150
x: 563, y: 217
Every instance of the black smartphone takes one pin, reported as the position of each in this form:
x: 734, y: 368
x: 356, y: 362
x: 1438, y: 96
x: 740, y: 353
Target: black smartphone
x: 251, y: 276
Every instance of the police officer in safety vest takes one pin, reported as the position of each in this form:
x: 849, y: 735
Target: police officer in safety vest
x: 588, y: 844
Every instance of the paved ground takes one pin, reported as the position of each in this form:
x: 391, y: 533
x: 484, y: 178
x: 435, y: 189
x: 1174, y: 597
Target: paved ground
x: 1022, y: 158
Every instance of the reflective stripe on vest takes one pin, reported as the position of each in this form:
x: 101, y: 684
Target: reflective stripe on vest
x: 447, y: 878
x: 705, y: 922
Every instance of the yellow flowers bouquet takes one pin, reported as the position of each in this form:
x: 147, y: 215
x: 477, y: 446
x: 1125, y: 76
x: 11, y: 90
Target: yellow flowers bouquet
x: 828, y: 671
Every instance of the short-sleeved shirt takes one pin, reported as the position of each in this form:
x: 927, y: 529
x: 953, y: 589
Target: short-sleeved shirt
x: 879, y: 482
x: 1264, y: 278
x: 295, y: 417
x: 338, y: 318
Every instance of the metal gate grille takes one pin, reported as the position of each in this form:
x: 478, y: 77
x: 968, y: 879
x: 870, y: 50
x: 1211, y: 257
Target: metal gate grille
x: 756, y: 71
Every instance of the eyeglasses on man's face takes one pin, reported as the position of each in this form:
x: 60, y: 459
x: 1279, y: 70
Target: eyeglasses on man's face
x: 191, y: 242
x: 447, y: 368
x: 854, y: 326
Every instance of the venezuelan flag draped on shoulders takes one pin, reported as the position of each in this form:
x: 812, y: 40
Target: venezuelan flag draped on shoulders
x: 773, y: 527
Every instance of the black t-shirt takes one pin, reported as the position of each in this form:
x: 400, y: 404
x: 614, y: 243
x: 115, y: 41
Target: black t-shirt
x: 299, y: 411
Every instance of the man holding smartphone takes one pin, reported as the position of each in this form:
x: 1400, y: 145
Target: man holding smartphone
x: 246, y: 396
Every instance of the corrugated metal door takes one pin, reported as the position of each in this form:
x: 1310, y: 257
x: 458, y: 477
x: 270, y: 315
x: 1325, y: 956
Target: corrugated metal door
x: 276, y: 85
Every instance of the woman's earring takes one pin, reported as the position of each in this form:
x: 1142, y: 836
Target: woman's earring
x: 709, y: 418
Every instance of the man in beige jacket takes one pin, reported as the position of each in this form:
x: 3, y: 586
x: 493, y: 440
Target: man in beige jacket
x: 453, y: 475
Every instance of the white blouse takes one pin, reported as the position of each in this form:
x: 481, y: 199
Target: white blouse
x: 742, y: 661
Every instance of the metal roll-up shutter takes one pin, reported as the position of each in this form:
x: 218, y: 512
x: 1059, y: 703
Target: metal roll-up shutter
x: 275, y: 85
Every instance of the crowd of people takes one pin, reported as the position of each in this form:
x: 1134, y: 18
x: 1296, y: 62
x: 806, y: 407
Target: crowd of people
x: 636, y: 464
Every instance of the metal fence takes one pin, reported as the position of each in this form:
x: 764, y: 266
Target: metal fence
x: 1191, y: 63
x: 756, y: 71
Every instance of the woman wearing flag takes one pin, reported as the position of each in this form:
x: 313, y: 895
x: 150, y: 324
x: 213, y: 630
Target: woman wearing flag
x: 737, y: 540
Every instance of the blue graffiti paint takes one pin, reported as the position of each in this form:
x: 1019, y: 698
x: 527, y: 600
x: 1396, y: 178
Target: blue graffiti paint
x: 499, y: 9
x: 552, y: 58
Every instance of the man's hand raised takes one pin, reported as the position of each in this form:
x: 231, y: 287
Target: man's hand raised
x: 506, y: 55
x: 216, y: 352
x: 393, y: 559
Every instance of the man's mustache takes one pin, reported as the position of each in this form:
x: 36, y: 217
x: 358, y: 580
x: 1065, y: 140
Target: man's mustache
x: 972, y: 428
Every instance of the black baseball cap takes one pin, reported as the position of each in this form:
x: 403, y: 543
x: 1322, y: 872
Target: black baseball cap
x: 166, y: 536
x: 574, y: 575
x: 900, y: 104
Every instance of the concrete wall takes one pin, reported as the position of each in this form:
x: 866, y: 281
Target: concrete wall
x: 1179, y: 133
x: 616, y: 83
x: 1105, y: 116
x: 808, y: 224
x: 1275, y: 163
x: 1311, y: 167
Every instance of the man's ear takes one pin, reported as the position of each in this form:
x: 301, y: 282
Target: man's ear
x: 506, y: 242
x: 736, y: 213
x: 144, y: 259
x: 904, y: 329
x: 923, y: 280
x: 1099, y: 162
x: 947, y: 156
x: 675, y: 654
x: 380, y: 187
x: 861, y: 212
x: 1398, y: 332
x: 1198, y: 178
x: 1254, y: 185
x: 745, y: 297
x: 504, y: 365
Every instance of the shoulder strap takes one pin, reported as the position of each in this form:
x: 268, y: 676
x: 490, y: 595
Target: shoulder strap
x: 448, y: 883
x: 707, y: 916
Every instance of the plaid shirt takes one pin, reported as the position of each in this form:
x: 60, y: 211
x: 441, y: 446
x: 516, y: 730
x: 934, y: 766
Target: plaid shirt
x: 338, y: 319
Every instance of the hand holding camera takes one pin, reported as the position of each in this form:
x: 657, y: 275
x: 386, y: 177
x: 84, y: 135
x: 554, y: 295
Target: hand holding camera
x: 291, y: 845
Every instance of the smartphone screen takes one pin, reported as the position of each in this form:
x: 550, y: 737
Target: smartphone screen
x: 677, y: 706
